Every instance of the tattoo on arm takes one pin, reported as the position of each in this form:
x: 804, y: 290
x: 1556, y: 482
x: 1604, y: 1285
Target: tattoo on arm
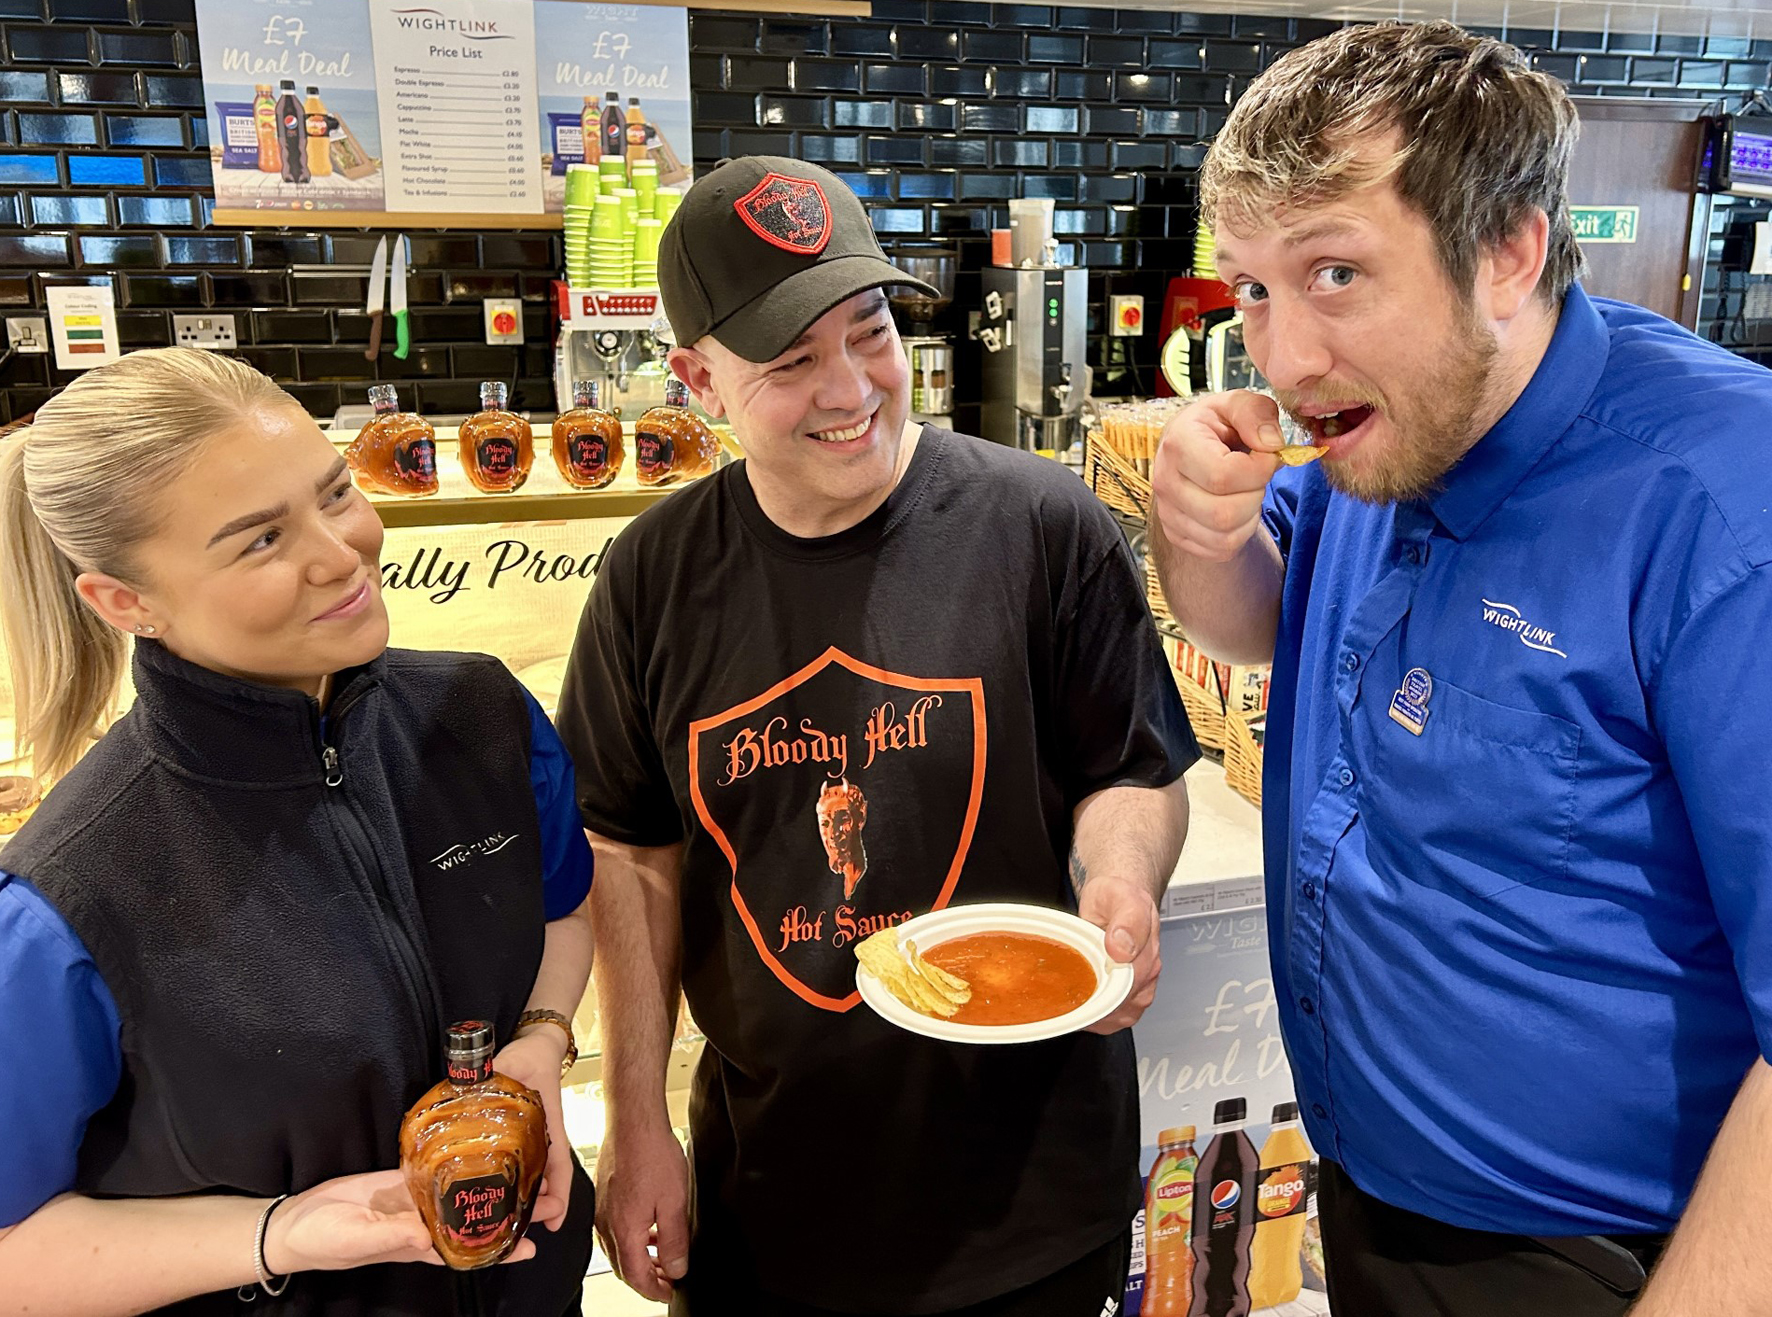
x: 1079, y: 875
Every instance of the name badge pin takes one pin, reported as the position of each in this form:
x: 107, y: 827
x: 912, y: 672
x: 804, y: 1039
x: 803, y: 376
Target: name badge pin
x: 1409, y: 705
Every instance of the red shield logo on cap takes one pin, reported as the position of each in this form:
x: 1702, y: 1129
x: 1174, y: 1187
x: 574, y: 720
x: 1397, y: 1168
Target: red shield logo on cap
x: 789, y: 213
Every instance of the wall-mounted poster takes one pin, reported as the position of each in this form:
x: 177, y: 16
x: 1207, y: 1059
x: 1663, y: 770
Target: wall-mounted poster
x: 291, y: 90
x: 449, y: 111
x: 613, y: 79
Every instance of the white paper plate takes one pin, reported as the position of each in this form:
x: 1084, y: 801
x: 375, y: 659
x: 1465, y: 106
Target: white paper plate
x: 1112, y: 979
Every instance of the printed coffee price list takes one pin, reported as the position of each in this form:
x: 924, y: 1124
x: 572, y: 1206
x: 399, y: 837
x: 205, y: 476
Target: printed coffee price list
x: 457, y: 105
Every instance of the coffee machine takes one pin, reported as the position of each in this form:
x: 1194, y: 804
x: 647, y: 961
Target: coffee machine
x: 921, y: 328
x: 1031, y: 330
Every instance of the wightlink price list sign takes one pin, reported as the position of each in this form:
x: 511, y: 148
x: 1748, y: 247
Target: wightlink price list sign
x: 440, y: 112
x: 458, y: 104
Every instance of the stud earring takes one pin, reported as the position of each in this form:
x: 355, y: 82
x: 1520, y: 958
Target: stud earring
x: 143, y: 628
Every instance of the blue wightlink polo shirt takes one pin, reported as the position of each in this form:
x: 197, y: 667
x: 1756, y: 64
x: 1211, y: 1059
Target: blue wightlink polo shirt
x: 1522, y: 930
x: 62, y: 1020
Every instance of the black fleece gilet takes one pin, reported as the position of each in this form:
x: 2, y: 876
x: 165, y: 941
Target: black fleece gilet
x: 288, y: 910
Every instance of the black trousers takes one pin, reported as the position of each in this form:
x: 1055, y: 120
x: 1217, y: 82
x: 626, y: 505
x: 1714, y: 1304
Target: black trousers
x: 1092, y: 1286
x: 1385, y: 1262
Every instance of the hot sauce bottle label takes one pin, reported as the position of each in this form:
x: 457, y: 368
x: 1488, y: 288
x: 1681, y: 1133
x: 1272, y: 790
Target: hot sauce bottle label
x: 472, y: 1211
x: 416, y: 459
x: 653, y: 452
x: 497, y: 456
x: 1281, y: 1192
x: 588, y: 454
x: 463, y: 1072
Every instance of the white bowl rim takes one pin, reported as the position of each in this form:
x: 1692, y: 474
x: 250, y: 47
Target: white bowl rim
x: 1113, y: 979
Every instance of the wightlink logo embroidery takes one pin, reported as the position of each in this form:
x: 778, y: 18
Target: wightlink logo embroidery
x: 1509, y: 618
x: 462, y: 852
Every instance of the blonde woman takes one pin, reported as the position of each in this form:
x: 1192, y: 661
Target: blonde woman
x: 233, y: 932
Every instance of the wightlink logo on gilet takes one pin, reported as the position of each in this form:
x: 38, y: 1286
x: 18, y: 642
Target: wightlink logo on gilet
x: 1509, y: 618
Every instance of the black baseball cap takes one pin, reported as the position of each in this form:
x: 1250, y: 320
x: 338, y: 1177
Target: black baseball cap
x: 762, y: 247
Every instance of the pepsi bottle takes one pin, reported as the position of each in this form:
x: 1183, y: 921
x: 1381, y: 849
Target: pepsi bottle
x: 1224, y: 1216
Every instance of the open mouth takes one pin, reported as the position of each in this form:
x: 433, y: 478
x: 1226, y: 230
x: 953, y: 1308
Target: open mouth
x: 1326, y: 427
x: 848, y: 434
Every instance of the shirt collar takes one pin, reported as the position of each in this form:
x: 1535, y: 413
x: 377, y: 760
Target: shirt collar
x: 1554, y: 397
x: 227, y: 729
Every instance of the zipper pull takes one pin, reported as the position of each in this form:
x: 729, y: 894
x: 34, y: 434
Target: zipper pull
x: 334, y: 774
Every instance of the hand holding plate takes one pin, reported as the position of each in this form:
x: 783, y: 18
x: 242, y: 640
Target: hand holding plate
x: 1124, y: 910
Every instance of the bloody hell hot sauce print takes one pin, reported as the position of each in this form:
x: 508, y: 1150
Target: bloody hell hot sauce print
x: 844, y: 798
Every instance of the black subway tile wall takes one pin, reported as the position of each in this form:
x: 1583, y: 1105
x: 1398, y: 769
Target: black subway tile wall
x: 935, y: 112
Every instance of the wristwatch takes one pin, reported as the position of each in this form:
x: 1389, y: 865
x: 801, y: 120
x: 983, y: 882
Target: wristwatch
x: 560, y: 1022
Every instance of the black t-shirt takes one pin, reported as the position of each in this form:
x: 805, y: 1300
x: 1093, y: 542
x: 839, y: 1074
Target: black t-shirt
x: 844, y: 732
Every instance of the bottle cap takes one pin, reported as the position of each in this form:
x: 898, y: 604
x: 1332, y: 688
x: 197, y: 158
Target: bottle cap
x: 467, y: 1051
x: 615, y: 96
x: 1229, y: 1110
x: 587, y: 393
x: 1285, y: 1111
x: 493, y: 394
x: 384, y: 398
x: 288, y: 84
x: 676, y: 393
x: 313, y: 91
x: 1180, y: 1134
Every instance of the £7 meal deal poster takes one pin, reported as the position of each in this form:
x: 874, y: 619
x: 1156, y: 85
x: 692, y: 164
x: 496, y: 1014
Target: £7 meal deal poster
x: 1228, y: 1224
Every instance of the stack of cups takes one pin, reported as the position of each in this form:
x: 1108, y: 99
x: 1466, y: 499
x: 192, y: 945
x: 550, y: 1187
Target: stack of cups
x: 611, y: 245
x: 643, y: 178
x: 581, y: 199
x: 612, y: 172
x: 646, y: 236
x: 665, y: 203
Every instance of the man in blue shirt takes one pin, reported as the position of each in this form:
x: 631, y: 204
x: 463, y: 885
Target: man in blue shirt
x: 1518, y: 851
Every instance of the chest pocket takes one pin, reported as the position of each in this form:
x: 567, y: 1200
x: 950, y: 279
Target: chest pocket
x: 1482, y: 801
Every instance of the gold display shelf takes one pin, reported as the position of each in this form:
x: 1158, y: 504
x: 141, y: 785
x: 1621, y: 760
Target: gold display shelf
x: 499, y: 509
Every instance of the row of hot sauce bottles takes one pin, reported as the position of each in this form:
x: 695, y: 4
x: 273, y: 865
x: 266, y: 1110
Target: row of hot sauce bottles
x: 396, y: 453
x: 1224, y: 1232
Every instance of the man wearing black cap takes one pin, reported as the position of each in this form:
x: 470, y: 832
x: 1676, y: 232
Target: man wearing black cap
x: 871, y: 671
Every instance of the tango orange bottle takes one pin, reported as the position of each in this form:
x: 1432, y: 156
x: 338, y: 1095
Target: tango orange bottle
x: 1281, y: 1185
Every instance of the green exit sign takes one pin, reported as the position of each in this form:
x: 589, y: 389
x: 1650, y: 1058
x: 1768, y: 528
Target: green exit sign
x: 1604, y: 223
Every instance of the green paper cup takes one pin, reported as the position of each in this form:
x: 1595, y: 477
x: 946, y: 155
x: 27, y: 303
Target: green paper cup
x: 581, y: 184
x: 610, y: 220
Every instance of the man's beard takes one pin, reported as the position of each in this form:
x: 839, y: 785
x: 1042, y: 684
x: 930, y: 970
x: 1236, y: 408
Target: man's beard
x: 1430, y: 431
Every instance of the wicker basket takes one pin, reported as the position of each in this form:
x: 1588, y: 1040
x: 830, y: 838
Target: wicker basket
x: 1153, y: 590
x: 1202, y: 686
x: 1114, y: 479
x: 1243, y: 739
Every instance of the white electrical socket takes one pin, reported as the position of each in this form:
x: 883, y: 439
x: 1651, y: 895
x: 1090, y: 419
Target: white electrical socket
x: 212, y: 332
x: 27, y: 335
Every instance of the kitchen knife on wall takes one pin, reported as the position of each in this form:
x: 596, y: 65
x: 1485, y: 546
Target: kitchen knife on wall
x: 378, y: 287
x: 397, y: 300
